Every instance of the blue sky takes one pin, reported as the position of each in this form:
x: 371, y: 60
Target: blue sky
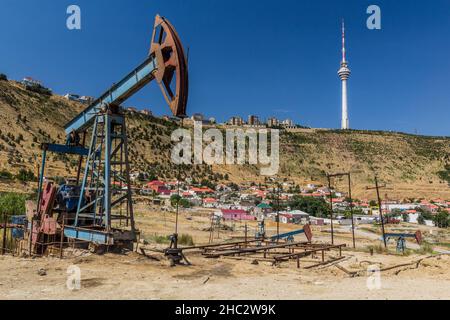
x: 270, y: 58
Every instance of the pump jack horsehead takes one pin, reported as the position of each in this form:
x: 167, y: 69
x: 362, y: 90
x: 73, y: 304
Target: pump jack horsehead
x: 96, y: 207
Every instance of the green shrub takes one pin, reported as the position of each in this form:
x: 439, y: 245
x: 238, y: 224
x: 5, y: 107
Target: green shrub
x: 3, y: 77
x: 186, y: 239
x: 377, y: 248
x: 441, y: 219
x: 39, y: 89
x: 4, y: 174
x: 158, y: 239
x: 25, y: 175
x: 12, y: 203
x: 425, y: 248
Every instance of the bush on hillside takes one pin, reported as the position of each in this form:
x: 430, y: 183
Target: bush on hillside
x: 5, y: 174
x: 25, y: 175
x: 12, y: 203
x: 39, y: 89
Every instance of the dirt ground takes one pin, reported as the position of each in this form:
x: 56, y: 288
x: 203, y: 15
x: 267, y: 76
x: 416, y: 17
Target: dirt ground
x: 134, y: 276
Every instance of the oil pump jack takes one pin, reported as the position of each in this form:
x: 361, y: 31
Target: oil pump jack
x: 91, y: 206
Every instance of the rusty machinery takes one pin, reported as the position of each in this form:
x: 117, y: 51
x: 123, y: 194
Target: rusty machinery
x: 401, y: 239
x: 272, y: 249
x: 91, y: 206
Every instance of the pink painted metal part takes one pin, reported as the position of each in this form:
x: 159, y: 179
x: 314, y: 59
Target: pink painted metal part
x: 48, y: 199
x: 308, y: 232
x: 418, y: 237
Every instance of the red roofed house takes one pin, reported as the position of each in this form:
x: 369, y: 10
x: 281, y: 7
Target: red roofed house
x: 209, y: 203
x: 202, y: 190
x: 158, y: 186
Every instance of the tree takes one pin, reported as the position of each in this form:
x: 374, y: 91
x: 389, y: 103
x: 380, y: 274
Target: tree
x: 3, y: 77
x: 373, y: 203
x: 314, y: 206
x: 405, y: 217
x: 420, y: 219
x: 12, y: 203
x: 175, y: 198
x: 441, y: 219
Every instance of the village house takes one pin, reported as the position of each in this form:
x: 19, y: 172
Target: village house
x: 294, y: 216
x: 210, y: 203
x: 156, y: 186
x: 262, y: 209
x: 235, y: 215
x: 201, y: 191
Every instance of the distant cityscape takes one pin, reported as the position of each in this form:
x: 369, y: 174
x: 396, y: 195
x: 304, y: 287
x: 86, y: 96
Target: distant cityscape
x: 252, y: 120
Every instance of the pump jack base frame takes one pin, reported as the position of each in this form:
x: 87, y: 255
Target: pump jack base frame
x: 115, y: 237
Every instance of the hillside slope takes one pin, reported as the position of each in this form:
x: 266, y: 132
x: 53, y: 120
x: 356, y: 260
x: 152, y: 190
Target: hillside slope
x: 412, y: 166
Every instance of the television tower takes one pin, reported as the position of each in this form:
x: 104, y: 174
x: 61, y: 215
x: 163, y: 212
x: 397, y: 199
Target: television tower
x: 344, y: 74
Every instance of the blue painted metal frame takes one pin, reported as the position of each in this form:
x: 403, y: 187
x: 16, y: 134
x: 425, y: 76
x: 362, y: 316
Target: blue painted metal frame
x: 117, y: 94
x: 62, y: 148
x: 287, y: 234
x: 107, y: 179
x: 400, y: 235
x: 96, y: 236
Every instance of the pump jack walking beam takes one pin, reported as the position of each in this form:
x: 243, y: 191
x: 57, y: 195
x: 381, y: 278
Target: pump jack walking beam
x: 165, y: 62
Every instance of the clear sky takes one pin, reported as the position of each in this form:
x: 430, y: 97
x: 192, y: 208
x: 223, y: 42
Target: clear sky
x: 270, y: 58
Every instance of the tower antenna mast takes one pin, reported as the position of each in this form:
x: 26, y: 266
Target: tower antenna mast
x: 344, y: 74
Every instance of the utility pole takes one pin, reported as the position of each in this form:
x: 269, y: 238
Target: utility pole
x: 347, y: 174
x: 278, y: 212
x: 5, y: 220
x: 377, y: 187
x: 331, y: 208
x: 351, y: 209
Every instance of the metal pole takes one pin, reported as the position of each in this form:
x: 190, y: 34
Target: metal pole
x: 30, y: 244
x: 130, y: 210
x: 4, y: 234
x: 351, y: 208
x: 107, y: 168
x: 41, y: 180
x: 89, y: 158
x: 176, y: 217
x: 278, y: 212
x: 61, y: 239
x: 80, y: 160
x: 381, y: 211
x: 178, y: 201
x: 246, y: 234
x: 331, y: 209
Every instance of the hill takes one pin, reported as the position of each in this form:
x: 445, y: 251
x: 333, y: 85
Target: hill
x: 412, y: 166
